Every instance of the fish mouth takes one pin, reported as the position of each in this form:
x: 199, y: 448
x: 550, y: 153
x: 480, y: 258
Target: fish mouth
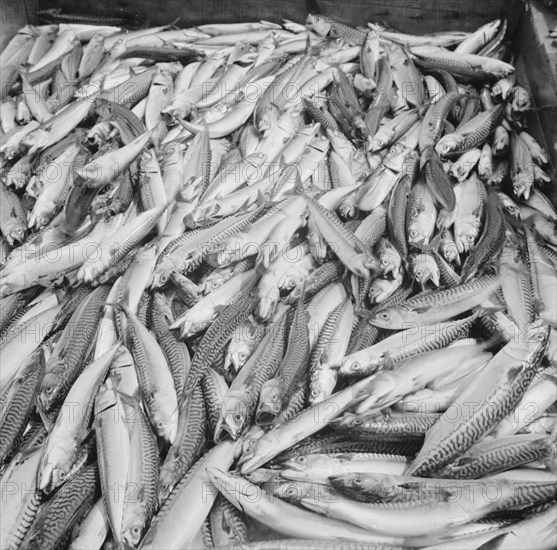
x: 227, y: 425
x: 393, y: 270
x: 293, y: 473
x: 267, y: 415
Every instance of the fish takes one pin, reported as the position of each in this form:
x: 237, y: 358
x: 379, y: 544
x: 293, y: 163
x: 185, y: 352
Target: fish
x: 519, y: 372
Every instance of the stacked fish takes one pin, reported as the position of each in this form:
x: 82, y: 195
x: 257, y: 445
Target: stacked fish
x: 285, y: 286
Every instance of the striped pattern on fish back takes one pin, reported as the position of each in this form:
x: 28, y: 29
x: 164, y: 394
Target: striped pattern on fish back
x: 372, y: 227
x: 16, y: 411
x: 295, y: 404
x: 491, y: 241
x: 411, y: 424
x: 325, y: 335
x: 502, y: 400
x: 336, y: 222
x: 148, y: 459
x: 444, y: 335
x: 295, y: 361
x: 268, y: 361
x: 68, y: 358
x: 190, y: 440
x: 131, y: 91
x: 482, y: 131
x: 317, y: 281
x: 129, y: 125
x: 214, y: 341
x: 53, y: 525
x: 363, y: 336
x: 25, y: 520
x: 15, y: 306
x: 497, y: 459
x: 175, y: 351
x: 524, y: 493
x: 227, y: 524
x: 212, y: 396
x: 441, y: 297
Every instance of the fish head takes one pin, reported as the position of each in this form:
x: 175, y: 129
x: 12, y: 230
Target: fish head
x: 465, y: 235
x: 390, y: 262
x: 15, y: 234
x: 347, y: 207
x: 36, y: 140
x: 379, y: 485
x: 270, y: 402
x: 379, y: 291
x: 165, y: 418
x: 449, y: 251
x: 521, y: 100
x: 425, y: 268
x: 268, y: 303
x: 48, y: 391
x: 133, y: 525
x: 233, y: 418
x: 522, y: 185
x: 167, y: 477
x: 324, y: 386
x: 162, y: 273
x: 387, y: 319
x: 292, y: 491
x: 236, y: 356
x: 298, y: 464
x: 196, y: 320
x: 263, y: 476
x: 351, y: 367
x: 447, y: 144
x: 214, y: 281
x: 416, y: 234
x: 56, y: 465
x: 365, y: 263
x: 292, y: 279
x: 318, y: 25
x: 267, y: 120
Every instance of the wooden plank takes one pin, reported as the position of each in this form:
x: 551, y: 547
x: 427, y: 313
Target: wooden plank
x: 196, y: 12
x: 415, y: 16
x: 423, y: 16
x: 14, y: 15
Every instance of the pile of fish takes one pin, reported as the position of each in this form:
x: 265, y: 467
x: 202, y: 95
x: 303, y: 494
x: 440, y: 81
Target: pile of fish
x: 273, y: 286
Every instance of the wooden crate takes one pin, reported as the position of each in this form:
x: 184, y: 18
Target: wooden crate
x: 418, y: 16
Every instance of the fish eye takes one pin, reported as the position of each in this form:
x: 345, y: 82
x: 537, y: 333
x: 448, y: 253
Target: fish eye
x: 49, y: 389
x: 62, y: 474
x: 242, y: 356
x: 357, y: 481
x: 385, y: 315
x: 290, y: 491
x: 357, y: 421
x: 413, y: 233
x: 384, y: 262
x: 237, y: 417
x: 136, y: 530
x: 470, y: 238
x: 356, y: 366
x: 302, y: 459
x: 419, y: 273
x: 314, y: 392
